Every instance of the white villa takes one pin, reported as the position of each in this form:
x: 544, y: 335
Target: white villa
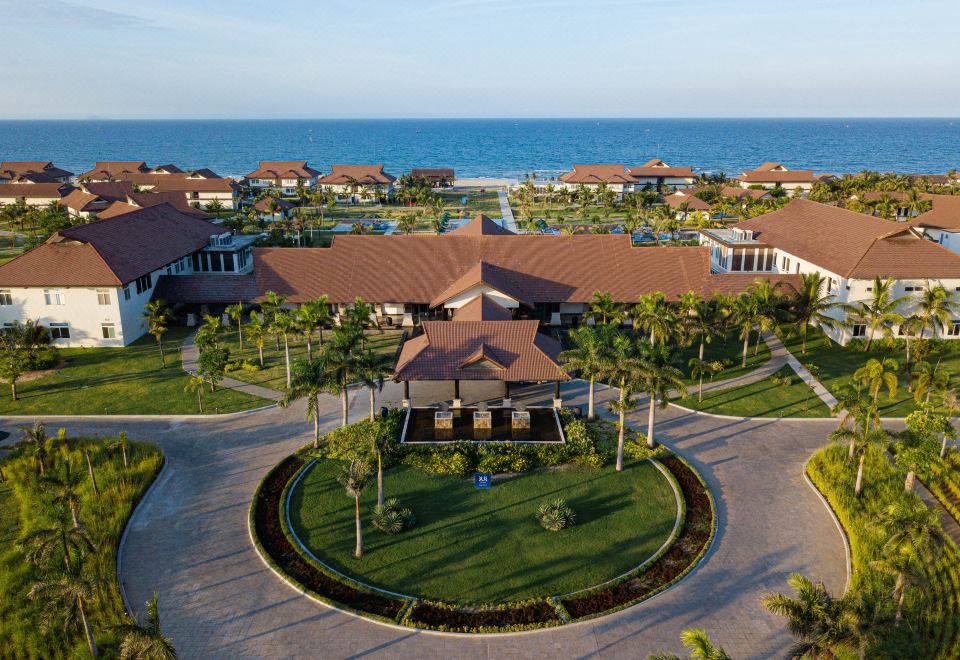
x: 198, y: 187
x: 771, y: 175
x: 37, y: 171
x: 656, y: 174
x: 358, y: 183
x: 941, y: 224
x: 283, y: 176
x: 848, y: 249
x: 591, y: 176
x: 88, y: 284
x: 32, y: 194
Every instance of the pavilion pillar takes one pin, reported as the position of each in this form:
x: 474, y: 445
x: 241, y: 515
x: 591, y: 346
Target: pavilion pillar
x: 406, y: 394
x: 507, y: 403
x: 557, y: 401
x: 457, y: 402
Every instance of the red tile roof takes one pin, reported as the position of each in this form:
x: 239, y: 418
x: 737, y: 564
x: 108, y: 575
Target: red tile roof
x: 263, y: 204
x: 658, y: 168
x: 10, y: 169
x: 482, y: 308
x: 14, y: 191
x: 694, y: 203
x: 597, y: 173
x: 137, y: 201
x: 283, y: 169
x: 112, y: 169
x: 342, y: 175
x: 480, y: 225
x: 777, y: 173
x: 433, y: 173
x: 944, y: 214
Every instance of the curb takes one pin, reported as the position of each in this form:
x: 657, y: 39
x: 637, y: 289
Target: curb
x: 836, y: 521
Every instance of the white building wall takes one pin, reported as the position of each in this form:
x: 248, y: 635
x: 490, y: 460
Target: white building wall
x: 80, y: 310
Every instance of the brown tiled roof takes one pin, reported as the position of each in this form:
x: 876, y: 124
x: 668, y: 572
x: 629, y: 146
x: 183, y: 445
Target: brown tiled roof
x: 263, y: 204
x: 112, y: 169
x: 480, y: 350
x: 364, y: 174
x: 852, y: 244
x: 109, y: 190
x: 182, y: 183
x: 137, y: 201
x: 169, y: 168
x: 485, y: 274
x: 694, y: 202
x: 33, y: 177
x: 433, y: 173
x: 283, y: 169
x: 945, y: 214
x: 482, y: 308
x: 19, y: 167
x: 597, y: 173
x: 657, y: 168
x: 116, y: 209
x: 80, y: 201
x: 771, y: 173
x: 206, y: 288
x: 480, y: 225
x: 34, y: 190
x: 110, y: 252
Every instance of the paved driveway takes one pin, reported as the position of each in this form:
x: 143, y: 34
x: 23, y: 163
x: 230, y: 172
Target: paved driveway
x: 188, y: 541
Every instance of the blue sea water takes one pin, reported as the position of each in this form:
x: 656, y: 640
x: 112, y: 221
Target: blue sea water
x: 496, y: 147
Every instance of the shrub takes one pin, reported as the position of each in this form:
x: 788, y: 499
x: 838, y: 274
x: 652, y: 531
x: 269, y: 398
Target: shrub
x: 556, y: 515
x: 44, y: 358
x: 445, y: 460
x: 506, y: 461
x: 638, y: 449
x: 391, y: 519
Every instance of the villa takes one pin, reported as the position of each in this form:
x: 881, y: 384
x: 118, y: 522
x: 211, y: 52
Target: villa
x: 858, y: 249
x: 284, y: 176
x: 656, y: 174
x: 198, y: 187
x: 356, y: 183
x: 685, y: 203
x: 439, y: 177
x: 32, y: 194
x: 37, y: 171
x: 88, y: 284
x: 614, y: 176
x: 941, y: 224
x: 773, y: 175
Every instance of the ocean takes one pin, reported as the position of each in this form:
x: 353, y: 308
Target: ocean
x: 496, y: 147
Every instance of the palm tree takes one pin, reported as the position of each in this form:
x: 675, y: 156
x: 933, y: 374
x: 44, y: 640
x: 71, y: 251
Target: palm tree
x: 148, y: 640
x: 407, y: 223
x: 879, y: 313
x: 742, y: 315
x: 652, y: 315
x: 935, y: 307
x: 60, y: 537
x: 235, y: 312
x: 34, y: 440
x: 915, y: 202
x: 341, y: 362
x: 313, y: 314
x: 589, y: 356
x: 811, y: 306
x: 659, y: 378
x: 876, y: 375
x: 371, y: 370
x: 623, y: 368
x: 375, y: 436
x: 604, y: 310
x: 310, y: 379
x: 698, y: 369
x: 64, y: 490
x: 929, y: 379
x: 765, y: 300
x: 156, y: 314
x: 819, y: 621
x: 700, y: 647
x: 66, y: 595
x: 195, y: 383
x: 283, y: 323
x: 354, y: 479
x: 124, y: 446
x: 257, y: 331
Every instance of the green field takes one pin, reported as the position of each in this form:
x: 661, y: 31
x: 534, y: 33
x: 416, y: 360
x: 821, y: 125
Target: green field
x: 729, y: 351
x: 765, y: 398
x: 474, y: 545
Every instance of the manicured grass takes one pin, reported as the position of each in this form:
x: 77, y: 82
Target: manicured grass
x: 473, y: 546
x: 729, y: 351
x: 24, y: 507
x: 274, y: 373
x: 98, y: 381
x: 836, y: 364
x: 765, y: 398
x: 932, y: 624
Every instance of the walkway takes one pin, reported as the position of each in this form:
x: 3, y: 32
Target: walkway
x: 189, y: 354
x: 776, y: 345
x: 188, y: 540
x: 507, y: 220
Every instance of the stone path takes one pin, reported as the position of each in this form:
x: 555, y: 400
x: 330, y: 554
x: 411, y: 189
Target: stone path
x: 507, y: 220
x: 777, y: 346
x: 189, y: 354
x: 779, y: 357
x: 188, y: 540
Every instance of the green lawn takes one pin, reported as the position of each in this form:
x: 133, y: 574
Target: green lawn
x: 836, y: 364
x: 473, y: 546
x: 729, y: 351
x: 765, y: 398
x: 274, y: 373
x: 9, y: 517
x: 120, y: 381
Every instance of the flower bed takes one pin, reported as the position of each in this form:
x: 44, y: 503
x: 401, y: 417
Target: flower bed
x: 690, y: 546
x: 537, y: 613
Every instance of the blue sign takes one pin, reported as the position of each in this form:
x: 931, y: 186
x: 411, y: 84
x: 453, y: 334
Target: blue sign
x: 482, y: 480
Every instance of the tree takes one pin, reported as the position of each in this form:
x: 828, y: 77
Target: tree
x: 811, y: 306
x: 604, y: 310
x: 283, y: 323
x: 703, y: 323
x: 765, y: 300
x: 879, y: 313
x: 371, y: 369
x: 742, y: 315
x: 700, y: 368
x: 624, y: 368
x: 918, y: 448
x: 874, y: 376
x: 375, y: 436
x: 214, y: 206
x: 700, y: 647
x: 341, y: 363
x: 653, y: 316
x: 124, y: 446
x: 58, y: 540
x: 63, y: 489
x: 354, y: 478
x: 208, y: 334
x: 13, y: 364
x: 589, y: 356
x: 659, y: 378
x: 929, y: 379
x: 148, y: 640
x: 312, y: 315
x: 65, y: 596
x: 34, y: 441
x: 212, y: 365
x: 156, y: 315
x: 257, y: 331
x: 819, y: 621
x: 235, y: 312
x: 195, y: 383
x: 935, y: 307
x: 310, y: 378
x: 271, y: 306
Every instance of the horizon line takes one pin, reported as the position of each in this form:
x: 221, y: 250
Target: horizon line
x: 504, y: 118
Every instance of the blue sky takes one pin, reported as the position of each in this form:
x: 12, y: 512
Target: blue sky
x: 479, y: 58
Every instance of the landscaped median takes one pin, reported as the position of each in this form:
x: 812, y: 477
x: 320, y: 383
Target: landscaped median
x: 476, y: 560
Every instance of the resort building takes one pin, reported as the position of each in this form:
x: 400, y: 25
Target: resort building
x: 848, y: 249
x: 591, y: 176
x: 283, y: 176
x: 88, y: 284
x: 687, y: 204
x: 358, y: 183
x: 657, y: 175
x: 198, y: 187
x: 439, y: 177
x: 941, y: 224
x: 22, y: 191
x: 773, y: 175
x: 36, y: 171
x: 108, y: 199
x: 272, y: 207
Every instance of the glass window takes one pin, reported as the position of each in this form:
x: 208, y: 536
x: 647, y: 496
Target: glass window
x: 103, y: 296
x: 737, y: 261
x: 6, y: 298
x: 53, y: 296
x: 748, y: 261
x: 59, y: 331
x: 860, y: 330
x: 954, y: 329
x: 109, y: 331
x: 126, y: 292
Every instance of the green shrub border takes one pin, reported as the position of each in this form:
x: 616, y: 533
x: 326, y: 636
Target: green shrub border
x: 409, y: 603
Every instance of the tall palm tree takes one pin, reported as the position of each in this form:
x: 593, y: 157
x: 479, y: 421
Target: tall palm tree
x: 659, y: 378
x: 339, y: 355
x: 876, y: 375
x: 310, y: 378
x: 235, y: 312
x: 354, y: 478
x: 195, y: 383
x: 372, y: 369
x: 589, y: 355
x: 63, y: 488
x: 66, y: 595
x: 811, y: 306
x: 623, y: 369
x: 703, y: 323
x: 766, y: 300
x: 156, y: 315
x: 148, y: 640
x: 742, y: 315
x: 34, y: 441
x: 929, y: 380
x: 880, y: 312
x: 820, y: 622
x: 257, y: 331
x: 935, y: 307
x: 283, y: 324
x: 604, y: 310
x: 700, y: 646
x: 59, y: 538
x: 652, y: 315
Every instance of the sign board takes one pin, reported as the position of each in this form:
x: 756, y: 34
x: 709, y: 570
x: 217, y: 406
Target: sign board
x: 482, y: 420
x: 521, y: 420
x: 483, y: 480
x: 443, y: 420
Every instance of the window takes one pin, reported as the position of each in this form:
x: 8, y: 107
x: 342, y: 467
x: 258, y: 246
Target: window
x: 126, y: 292
x: 53, y: 296
x: 144, y: 283
x: 108, y: 330
x: 860, y: 330
x: 912, y: 288
x: 748, y: 261
x: 103, y: 296
x: 737, y: 261
x: 59, y: 331
x: 5, y: 297
x: 953, y: 330
x: 786, y: 265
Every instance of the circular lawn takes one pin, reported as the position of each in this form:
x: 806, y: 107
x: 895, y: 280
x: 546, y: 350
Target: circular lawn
x: 481, y: 546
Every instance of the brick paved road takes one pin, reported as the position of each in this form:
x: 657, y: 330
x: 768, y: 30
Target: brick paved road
x: 188, y: 540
